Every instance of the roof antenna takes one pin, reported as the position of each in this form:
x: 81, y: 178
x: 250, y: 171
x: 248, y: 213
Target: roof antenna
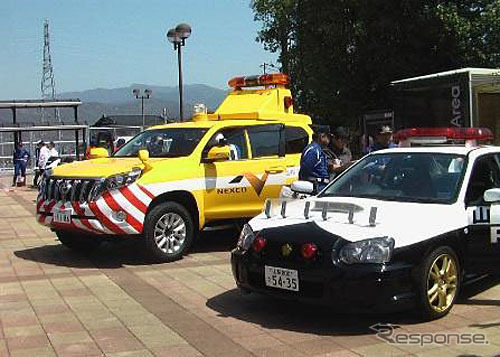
x: 307, y: 208
x: 267, y: 209
x: 283, y: 209
x: 373, y: 216
x: 351, y: 216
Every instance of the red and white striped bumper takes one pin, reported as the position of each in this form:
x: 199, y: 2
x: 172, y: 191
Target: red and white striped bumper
x: 99, y: 217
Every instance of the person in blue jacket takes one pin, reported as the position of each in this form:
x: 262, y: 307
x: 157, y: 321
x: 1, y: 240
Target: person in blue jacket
x: 313, y: 164
x: 20, y: 158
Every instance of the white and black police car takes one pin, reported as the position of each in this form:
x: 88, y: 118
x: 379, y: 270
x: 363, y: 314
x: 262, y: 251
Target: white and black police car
x: 398, y: 230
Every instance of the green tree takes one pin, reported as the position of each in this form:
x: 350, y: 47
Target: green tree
x: 342, y: 54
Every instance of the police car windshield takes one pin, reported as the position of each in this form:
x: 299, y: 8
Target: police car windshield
x: 405, y: 177
x: 174, y: 142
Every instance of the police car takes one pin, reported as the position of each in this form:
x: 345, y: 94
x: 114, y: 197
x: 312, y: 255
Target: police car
x: 171, y: 181
x: 397, y: 230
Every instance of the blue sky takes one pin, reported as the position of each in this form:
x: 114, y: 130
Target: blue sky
x: 114, y: 43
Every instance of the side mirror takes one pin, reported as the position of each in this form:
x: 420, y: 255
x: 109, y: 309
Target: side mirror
x: 304, y: 187
x: 219, y: 153
x: 98, y: 153
x: 492, y: 195
x: 143, y: 155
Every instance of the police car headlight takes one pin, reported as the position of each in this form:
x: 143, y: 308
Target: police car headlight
x: 247, y: 236
x: 375, y: 250
x: 117, y: 181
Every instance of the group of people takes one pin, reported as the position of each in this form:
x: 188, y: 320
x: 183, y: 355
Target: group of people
x: 22, y: 155
x: 328, y: 154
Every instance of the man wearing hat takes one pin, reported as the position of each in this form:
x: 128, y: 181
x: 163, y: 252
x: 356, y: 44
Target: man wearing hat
x: 338, y: 155
x: 313, y: 165
x: 382, y: 139
x: 20, y: 158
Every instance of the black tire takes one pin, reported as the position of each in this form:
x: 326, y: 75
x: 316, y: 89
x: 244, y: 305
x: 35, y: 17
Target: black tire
x: 80, y: 242
x: 174, y: 247
x: 445, y: 288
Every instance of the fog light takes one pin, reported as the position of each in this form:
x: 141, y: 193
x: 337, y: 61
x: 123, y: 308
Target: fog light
x: 119, y: 216
x: 309, y: 250
x: 259, y: 243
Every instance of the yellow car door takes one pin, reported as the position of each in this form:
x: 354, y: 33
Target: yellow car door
x: 238, y: 187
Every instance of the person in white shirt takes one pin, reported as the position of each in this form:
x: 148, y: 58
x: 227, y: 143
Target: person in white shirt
x: 43, y: 156
x: 52, y: 150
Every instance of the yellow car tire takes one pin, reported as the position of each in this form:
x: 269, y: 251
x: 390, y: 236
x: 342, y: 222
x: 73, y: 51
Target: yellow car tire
x: 168, y: 231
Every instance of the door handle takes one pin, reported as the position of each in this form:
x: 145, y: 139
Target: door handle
x: 275, y: 170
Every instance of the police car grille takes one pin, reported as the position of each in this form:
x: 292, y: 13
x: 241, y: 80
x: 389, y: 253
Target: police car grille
x: 69, y: 189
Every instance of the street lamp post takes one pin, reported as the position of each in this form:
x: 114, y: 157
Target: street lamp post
x: 145, y: 95
x: 178, y: 37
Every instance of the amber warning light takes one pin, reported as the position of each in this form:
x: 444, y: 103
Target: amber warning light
x: 262, y: 80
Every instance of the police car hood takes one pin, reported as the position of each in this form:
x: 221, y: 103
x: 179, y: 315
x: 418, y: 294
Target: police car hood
x: 408, y: 223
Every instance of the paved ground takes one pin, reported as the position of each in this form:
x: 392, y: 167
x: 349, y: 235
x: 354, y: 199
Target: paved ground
x: 114, y: 303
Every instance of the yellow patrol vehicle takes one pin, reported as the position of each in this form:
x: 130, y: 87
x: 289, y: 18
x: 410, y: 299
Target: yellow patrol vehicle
x: 170, y: 181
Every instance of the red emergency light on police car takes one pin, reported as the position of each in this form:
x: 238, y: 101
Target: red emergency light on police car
x: 436, y: 136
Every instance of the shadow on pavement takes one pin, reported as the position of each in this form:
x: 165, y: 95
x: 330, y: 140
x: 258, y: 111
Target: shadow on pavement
x: 272, y: 313
x: 112, y: 255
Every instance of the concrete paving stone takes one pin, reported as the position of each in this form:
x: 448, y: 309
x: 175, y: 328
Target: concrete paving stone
x: 380, y: 349
x: 12, y: 298
x: 137, y: 353
x: 17, y: 321
x: 95, y: 324
x: 78, y: 292
x: 22, y: 331
x: 59, y: 338
x: 25, y: 342
x: 11, y: 288
x: 156, y: 335
x: 30, y: 352
x: 87, y: 349
x: 240, y: 330
x: 341, y: 353
x: 258, y: 342
x: 63, y: 326
x: 3, y: 348
x: 183, y: 350
x: 15, y: 306
x: 278, y: 351
x: 116, y: 340
x: 316, y: 346
x: 356, y: 341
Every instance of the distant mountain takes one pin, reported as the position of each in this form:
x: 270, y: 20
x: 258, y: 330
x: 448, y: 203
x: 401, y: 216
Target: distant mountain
x: 99, y: 101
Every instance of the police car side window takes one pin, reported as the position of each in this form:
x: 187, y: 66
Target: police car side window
x: 296, y: 139
x: 485, y: 175
x: 267, y: 140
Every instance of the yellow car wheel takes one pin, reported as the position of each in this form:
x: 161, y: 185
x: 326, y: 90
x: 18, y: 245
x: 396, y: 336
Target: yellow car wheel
x: 168, y: 231
x: 439, y: 282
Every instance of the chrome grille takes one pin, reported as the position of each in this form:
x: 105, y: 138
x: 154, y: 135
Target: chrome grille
x: 55, y: 188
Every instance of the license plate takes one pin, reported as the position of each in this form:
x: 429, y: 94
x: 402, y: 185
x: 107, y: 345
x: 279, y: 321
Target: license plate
x: 62, y: 216
x: 281, y: 278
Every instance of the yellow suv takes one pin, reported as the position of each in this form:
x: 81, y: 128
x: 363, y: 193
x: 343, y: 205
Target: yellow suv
x: 170, y: 181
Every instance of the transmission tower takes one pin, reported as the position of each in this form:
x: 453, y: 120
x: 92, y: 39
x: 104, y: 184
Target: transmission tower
x: 48, y: 85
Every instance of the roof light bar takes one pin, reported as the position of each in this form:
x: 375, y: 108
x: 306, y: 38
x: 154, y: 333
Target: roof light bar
x: 479, y: 134
x: 262, y: 80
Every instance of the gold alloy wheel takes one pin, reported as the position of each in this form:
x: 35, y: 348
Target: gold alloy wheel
x: 442, y: 283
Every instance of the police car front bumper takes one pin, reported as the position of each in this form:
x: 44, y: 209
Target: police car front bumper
x: 362, y: 288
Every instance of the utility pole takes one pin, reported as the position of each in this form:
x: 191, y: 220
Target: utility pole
x: 264, y: 65
x: 48, y: 86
